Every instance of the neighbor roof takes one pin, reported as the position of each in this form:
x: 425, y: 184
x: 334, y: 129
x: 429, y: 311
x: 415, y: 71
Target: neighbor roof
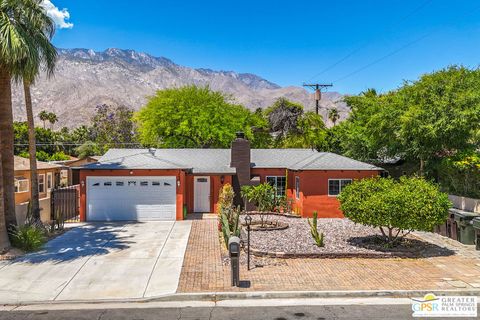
x: 22, y: 164
x: 218, y: 160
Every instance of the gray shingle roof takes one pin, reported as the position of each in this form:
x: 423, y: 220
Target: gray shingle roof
x: 218, y: 160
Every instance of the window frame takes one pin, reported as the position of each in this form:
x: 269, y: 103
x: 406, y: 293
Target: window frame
x: 19, y: 179
x: 43, y: 183
x: 49, y: 181
x: 340, y: 187
x: 297, y: 187
x: 276, y: 184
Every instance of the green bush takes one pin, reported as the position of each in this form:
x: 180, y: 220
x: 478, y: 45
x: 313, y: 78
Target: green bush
x: 408, y: 204
x: 313, y: 223
x: 28, y: 237
x: 262, y: 196
x: 460, y: 174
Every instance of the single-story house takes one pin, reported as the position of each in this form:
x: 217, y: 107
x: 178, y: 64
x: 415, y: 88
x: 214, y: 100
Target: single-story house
x: 48, y: 178
x: 167, y: 184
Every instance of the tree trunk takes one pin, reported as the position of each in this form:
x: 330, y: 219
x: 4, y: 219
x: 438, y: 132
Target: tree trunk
x: 6, y: 147
x: 4, y: 241
x: 32, y: 150
x: 422, y: 166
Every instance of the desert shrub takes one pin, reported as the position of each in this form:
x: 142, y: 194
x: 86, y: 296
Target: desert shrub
x: 225, y: 198
x: 263, y: 197
x: 313, y: 223
x: 28, y: 237
x: 229, y: 215
x: 395, y: 207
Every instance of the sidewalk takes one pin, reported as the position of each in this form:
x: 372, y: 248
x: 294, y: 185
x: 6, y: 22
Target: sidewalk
x: 204, y: 271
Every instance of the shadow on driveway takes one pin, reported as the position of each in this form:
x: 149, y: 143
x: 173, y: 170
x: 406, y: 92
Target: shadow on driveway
x: 92, y: 239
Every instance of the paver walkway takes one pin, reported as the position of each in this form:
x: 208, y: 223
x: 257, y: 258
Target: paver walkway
x: 203, y: 270
x: 100, y: 261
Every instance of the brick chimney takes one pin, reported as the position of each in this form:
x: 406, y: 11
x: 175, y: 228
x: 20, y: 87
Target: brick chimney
x: 240, y: 159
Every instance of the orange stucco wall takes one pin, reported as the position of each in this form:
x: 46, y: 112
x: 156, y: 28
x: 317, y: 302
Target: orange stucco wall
x: 314, y: 191
x: 181, y: 200
x: 215, y: 187
x: 22, y: 197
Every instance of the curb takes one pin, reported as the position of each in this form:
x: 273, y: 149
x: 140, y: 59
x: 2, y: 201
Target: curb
x: 258, y: 295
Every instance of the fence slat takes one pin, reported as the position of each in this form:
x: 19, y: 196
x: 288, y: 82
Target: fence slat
x: 65, y: 204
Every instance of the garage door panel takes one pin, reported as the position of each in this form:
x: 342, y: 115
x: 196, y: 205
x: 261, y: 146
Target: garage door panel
x: 131, y: 198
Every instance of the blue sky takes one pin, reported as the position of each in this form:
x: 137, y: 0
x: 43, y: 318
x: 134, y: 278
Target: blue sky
x: 287, y: 42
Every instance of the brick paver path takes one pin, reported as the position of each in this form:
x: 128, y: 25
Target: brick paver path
x: 203, y: 270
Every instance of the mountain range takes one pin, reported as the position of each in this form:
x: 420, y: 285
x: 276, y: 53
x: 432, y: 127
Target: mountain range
x: 85, y: 78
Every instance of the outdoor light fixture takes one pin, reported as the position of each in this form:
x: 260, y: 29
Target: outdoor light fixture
x: 248, y: 222
x: 131, y: 171
x: 82, y: 183
x: 222, y: 179
x: 178, y: 183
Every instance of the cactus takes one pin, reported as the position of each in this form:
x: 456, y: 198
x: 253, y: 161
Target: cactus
x: 318, y: 238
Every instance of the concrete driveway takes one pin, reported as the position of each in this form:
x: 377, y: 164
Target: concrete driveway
x: 100, y: 261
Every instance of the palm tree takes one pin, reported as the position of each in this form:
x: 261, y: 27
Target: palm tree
x: 44, y: 56
x: 333, y: 115
x: 52, y: 118
x: 43, y: 115
x: 25, y: 32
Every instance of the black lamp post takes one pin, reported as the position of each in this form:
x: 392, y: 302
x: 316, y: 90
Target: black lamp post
x: 248, y: 222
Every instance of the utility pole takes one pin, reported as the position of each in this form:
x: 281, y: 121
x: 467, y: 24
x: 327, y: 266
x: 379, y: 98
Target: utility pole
x: 318, y: 92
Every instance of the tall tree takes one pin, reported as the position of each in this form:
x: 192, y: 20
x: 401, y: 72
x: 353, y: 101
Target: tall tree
x: 333, y: 115
x: 43, y: 115
x: 192, y: 117
x: 52, y: 118
x: 113, y: 127
x: 23, y: 32
x: 42, y: 55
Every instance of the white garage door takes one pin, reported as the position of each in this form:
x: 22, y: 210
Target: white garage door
x: 131, y: 198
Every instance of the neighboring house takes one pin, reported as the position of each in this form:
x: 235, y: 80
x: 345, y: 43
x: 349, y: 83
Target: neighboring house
x: 69, y: 176
x: 48, y: 178
x: 166, y: 184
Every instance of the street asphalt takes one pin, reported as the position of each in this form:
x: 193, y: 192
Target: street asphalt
x: 391, y: 312
x: 268, y: 309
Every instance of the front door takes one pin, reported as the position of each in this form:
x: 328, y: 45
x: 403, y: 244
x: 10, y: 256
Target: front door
x: 201, y: 194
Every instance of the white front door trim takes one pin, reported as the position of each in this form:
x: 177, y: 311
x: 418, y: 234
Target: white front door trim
x: 201, y: 190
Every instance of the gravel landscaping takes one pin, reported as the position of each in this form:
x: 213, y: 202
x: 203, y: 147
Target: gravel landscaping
x: 343, y: 238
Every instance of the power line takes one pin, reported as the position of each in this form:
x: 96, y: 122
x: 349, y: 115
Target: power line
x: 336, y: 63
x: 409, y: 44
x: 396, y: 51
x: 77, y: 144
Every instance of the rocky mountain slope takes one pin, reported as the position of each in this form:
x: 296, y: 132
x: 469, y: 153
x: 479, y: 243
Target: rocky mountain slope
x: 85, y: 78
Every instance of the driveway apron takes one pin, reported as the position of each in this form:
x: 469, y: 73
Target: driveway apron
x: 100, y: 261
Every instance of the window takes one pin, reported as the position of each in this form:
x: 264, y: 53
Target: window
x: 119, y: 183
x: 144, y: 183
x: 107, y: 184
x: 41, y: 183
x: 297, y: 187
x: 96, y: 184
x: 156, y: 183
x: 278, y: 182
x: 21, y: 184
x: 49, y: 181
x: 335, y: 186
x: 202, y: 180
x: 166, y: 184
x: 132, y: 183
